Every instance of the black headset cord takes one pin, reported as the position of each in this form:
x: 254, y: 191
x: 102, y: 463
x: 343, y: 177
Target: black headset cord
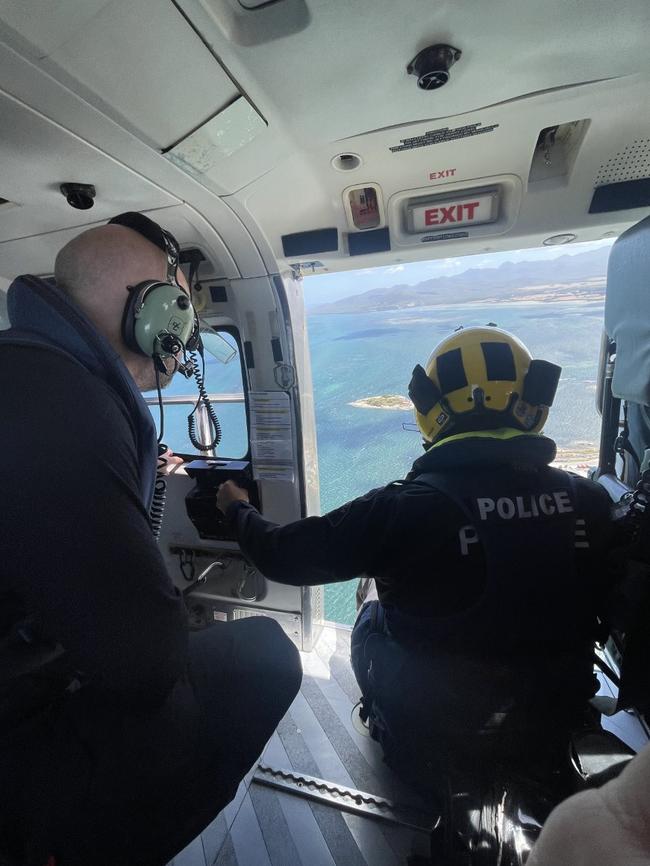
x: 199, y: 375
x: 161, y: 426
x: 157, y: 509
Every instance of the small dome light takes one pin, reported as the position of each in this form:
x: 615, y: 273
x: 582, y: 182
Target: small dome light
x: 346, y: 161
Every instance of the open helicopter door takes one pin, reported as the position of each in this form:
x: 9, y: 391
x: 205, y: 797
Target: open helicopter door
x: 624, y: 402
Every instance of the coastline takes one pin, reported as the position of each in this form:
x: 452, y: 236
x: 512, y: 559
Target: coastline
x: 578, y: 458
x: 528, y: 301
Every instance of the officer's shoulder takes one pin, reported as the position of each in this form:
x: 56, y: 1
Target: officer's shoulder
x: 590, y: 490
x: 410, y: 488
x: 387, y: 492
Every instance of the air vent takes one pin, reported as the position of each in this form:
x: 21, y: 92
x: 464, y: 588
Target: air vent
x: 256, y: 4
x: 307, y: 243
x: 556, y: 150
x: 631, y: 163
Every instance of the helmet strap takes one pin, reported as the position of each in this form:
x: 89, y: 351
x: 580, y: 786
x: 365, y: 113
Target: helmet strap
x: 478, y: 396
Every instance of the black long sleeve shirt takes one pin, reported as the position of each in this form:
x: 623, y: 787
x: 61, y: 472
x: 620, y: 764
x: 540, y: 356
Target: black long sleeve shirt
x: 409, y: 536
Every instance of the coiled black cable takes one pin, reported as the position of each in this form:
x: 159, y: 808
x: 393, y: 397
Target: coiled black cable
x: 157, y: 510
x: 199, y: 375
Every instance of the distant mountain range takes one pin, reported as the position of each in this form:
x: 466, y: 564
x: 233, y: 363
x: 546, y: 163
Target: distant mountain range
x: 577, y: 277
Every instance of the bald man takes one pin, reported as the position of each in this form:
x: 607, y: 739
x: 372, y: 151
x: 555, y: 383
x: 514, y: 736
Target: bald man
x: 95, y: 270
x: 121, y: 734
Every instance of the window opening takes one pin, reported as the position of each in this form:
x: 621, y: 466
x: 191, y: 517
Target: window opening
x: 369, y: 328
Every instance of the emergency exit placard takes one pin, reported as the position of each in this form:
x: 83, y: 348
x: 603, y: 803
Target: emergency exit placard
x: 453, y: 212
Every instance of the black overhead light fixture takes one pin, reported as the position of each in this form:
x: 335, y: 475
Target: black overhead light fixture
x: 79, y: 195
x: 432, y: 65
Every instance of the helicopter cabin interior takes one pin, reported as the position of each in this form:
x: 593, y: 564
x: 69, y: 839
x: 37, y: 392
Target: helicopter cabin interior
x: 284, y: 138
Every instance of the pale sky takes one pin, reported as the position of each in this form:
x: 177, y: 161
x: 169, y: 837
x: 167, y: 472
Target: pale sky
x: 323, y: 288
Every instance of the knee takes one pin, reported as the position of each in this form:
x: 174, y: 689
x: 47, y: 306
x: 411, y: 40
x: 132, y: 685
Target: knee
x: 278, y: 661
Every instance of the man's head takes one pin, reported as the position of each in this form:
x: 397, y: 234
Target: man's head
x: 481, y: 379
x: 95, y: 269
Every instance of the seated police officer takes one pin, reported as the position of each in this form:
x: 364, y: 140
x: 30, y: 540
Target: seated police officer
x: 122, y: 735
x: 488, y: 563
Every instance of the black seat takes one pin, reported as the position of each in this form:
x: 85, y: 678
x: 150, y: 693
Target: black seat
x: 598, y: 756
x: 497, y: 817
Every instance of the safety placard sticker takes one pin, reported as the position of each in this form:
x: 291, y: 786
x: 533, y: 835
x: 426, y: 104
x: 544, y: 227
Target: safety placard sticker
x: 447, y: 236
x: 442, y: 135
x: 272, y: 438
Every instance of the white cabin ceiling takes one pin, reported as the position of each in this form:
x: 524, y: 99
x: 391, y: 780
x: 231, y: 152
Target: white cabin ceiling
x: 139, y: 61
x: 323, y: 77
x: 345, y: 73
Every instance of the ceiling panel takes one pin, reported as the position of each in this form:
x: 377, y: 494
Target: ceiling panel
x: 346, y: 73
x: 140, y: 62
x: 36, y: 156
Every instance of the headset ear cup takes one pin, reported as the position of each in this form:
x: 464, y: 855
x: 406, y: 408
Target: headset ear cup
x: 540, y: 383
x: 147, y: 319
x: 135, y: 298
x: 423, y: 392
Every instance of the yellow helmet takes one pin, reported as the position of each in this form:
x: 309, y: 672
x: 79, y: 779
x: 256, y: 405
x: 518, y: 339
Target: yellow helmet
x: 478, y: 379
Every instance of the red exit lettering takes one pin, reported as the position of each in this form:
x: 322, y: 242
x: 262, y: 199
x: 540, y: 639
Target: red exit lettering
x: 438, y: 175
x: 437, y: 216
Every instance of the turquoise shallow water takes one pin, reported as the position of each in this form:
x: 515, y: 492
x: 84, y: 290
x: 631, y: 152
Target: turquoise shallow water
x: 357, y: 356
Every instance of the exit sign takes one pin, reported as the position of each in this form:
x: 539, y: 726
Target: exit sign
x: 452, y: 212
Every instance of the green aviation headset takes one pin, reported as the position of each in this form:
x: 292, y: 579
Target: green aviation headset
x: 160, y: 322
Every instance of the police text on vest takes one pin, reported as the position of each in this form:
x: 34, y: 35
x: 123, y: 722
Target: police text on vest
x: 557, y: 502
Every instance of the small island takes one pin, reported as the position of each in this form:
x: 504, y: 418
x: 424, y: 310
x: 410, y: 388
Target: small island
x: 385, y: 401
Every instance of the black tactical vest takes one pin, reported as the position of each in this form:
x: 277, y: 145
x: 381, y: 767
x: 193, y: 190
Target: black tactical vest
x: 529, y: 530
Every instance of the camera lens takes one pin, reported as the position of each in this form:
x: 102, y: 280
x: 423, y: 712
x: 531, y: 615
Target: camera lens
x: 432, y: 80
x: 79, y: 195
x: 431, y: 66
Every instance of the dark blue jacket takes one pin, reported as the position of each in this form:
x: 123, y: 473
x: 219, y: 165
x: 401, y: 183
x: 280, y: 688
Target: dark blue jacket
x: 78, y: 562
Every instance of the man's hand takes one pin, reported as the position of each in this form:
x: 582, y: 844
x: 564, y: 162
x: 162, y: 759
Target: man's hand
x: 171, y: 461
x: 228, y: 493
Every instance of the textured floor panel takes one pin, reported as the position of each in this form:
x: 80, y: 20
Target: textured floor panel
x: 262, y: 827
x: 193, y: 855
x: 265, y: 827
x: 213, y: 838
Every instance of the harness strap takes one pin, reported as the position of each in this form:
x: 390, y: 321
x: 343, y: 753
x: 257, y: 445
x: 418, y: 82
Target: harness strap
x: 377, y: 626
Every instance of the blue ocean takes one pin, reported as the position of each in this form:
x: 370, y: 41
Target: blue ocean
x: 360, y: 356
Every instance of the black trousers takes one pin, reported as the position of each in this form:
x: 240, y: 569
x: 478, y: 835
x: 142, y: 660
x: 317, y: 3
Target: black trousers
x: 97, y: 786
x: 430, y: 710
